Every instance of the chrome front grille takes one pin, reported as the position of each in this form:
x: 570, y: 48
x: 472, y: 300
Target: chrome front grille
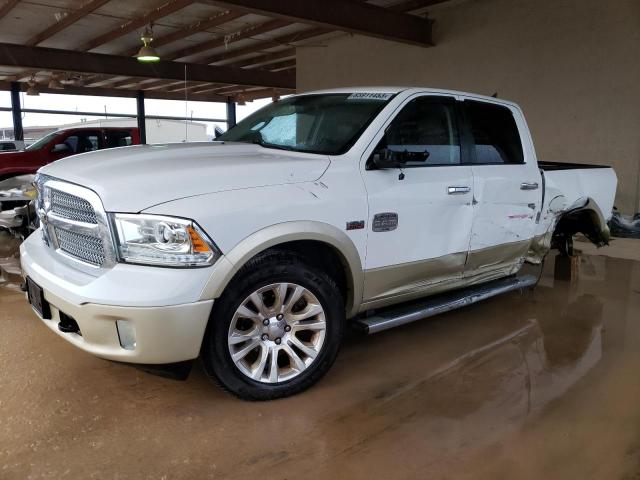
x: 74, y: 224
x: 84, y: 247
x: 71, y: 207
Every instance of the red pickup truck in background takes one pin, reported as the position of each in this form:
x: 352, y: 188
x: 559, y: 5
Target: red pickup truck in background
x: 62, y: 143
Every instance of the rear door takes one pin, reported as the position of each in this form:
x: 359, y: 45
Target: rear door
x: 507, y: 188
x: 419, y: 219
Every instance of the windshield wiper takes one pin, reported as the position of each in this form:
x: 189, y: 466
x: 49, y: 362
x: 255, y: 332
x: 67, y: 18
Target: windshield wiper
x: 262, y: 143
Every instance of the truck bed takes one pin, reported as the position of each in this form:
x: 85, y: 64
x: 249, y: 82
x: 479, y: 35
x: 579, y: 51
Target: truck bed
x: 578, y: 183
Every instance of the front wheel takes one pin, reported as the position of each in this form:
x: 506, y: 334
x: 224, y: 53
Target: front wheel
x: 276, y: 330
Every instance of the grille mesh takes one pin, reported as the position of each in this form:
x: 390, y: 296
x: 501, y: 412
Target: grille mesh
x: 72, y: 207
x: 81, y: 246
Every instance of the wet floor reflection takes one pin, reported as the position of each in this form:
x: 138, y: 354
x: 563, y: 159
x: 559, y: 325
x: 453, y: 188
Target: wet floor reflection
x: 518, y: 386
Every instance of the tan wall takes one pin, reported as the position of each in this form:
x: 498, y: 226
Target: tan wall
x: 573, y: 66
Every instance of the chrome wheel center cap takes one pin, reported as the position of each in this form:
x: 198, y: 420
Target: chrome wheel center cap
x: 275, y: 328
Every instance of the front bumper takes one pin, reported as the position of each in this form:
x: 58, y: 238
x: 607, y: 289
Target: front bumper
x: 162, y: 306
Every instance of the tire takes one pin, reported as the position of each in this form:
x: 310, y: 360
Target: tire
x: 262, y: 278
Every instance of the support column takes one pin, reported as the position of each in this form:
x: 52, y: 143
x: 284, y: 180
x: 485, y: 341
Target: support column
x: 231, y: 112
x: 142, y: 123
x: 16, y: 111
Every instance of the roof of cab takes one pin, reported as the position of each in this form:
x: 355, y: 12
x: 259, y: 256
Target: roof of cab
x: 410, y: 90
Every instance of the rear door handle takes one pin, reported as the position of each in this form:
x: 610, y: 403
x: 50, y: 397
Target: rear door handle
x: 458, y: 190
x: 529, y: 186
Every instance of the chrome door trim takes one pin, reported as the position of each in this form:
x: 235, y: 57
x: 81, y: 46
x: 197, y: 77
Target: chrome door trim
x: 458, y: 190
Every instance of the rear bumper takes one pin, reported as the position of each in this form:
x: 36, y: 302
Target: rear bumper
x: 161, y: 333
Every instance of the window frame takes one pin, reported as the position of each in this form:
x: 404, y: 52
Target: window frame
x: 469, y: 131
x: 465, y: 141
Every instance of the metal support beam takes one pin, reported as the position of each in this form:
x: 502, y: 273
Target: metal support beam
x: 12, y: 55
x: 348, y: 16
x: 113, y: 115
x: 16, y: 111
x: 231, y: 112
x: 142, y: 124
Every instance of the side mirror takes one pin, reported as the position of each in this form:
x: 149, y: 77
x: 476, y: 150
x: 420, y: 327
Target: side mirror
x: 61, y: 148
x: 383, y: 158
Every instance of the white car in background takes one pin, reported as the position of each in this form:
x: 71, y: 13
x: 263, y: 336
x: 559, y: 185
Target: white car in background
x: 373, y: 207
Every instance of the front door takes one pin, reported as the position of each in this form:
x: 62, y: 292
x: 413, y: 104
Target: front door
x: 419, y: 218
x: 507, y: 191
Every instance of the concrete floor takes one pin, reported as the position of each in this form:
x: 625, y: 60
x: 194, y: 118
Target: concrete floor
x: 543, y: 384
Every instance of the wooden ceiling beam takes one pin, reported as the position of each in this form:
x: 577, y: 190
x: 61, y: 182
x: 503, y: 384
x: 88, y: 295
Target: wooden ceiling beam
x: 68, y: 20
x: 66, y: 60
x: 413, y: 5
x: 273, y: 67
x: 248, y: 32
x: 262, y: 59
x: 199, y: 26
x: 129, y: 26
x: 6, y: 7
x: 344, y: 15
x: 280, y: 41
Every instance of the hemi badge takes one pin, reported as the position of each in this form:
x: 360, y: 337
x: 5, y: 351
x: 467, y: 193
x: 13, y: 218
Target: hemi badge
x: 355, y: 225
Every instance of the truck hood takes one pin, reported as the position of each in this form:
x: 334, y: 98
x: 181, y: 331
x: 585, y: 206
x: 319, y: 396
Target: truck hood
x: 131, y: 179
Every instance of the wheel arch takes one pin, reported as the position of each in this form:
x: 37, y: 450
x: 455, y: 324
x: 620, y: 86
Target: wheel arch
x: 584, y: 216
x: 290, y: 233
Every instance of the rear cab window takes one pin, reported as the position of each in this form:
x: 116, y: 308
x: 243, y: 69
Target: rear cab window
x: 495, y: 134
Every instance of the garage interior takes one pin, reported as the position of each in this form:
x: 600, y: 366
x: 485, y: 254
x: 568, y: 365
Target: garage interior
x: 525, y: 385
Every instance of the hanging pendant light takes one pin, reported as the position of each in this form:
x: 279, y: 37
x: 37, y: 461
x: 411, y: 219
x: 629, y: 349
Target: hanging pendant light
x: 147, y: 54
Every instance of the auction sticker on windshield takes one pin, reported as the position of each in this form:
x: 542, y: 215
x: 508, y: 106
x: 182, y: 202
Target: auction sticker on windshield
x: 370, y: 96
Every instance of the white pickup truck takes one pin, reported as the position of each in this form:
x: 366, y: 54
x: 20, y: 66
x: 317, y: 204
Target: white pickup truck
x: 374, y: 207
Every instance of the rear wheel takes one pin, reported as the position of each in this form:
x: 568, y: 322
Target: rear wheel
x: 276, y: 329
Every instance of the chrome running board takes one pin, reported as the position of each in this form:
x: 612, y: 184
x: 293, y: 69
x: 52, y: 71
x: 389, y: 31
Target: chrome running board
x: 410, y: 312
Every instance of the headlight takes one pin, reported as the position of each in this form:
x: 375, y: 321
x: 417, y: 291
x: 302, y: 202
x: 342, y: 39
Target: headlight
x: 164, y: 241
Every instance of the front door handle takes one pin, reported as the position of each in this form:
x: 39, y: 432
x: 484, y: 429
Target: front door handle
x: 529, y: 186
x: 458, y: 190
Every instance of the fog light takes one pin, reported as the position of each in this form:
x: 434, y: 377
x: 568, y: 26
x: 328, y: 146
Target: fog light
x: 126, y: 334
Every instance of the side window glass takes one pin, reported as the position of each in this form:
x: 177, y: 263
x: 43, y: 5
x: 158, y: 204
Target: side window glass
x: 87, y: 142
x: 426, y: 125
x: 118, y: 139
x: 72, y: 142
x: 495, y: 133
